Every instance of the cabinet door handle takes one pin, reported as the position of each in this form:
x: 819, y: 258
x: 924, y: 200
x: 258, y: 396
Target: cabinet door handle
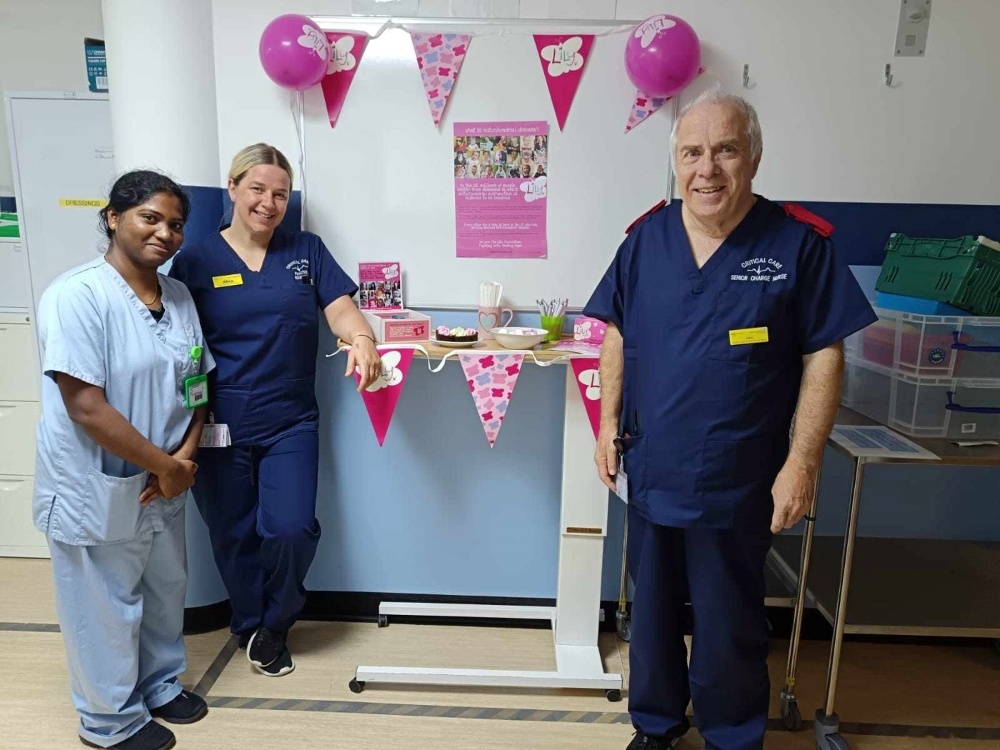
x: 11, y: 486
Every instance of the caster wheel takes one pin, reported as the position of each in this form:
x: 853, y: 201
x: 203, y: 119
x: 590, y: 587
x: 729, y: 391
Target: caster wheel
x: 614, y: 695
x: 834, y: 742
x: 791, y: 719
x: 355, y: 686
x: 624, y: 628
x: 383, y: 621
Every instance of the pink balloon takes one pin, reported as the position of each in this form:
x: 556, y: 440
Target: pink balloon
x: 662, y: 56
x: 294, y: 52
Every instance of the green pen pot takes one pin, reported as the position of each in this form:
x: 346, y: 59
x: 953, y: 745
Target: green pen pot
x: 553, y: 324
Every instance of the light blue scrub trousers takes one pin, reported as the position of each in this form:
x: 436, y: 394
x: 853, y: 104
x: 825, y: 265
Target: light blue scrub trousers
x: 121, y: 611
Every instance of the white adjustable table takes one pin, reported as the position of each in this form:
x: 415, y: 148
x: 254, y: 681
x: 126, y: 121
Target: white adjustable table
x: 577, y: 613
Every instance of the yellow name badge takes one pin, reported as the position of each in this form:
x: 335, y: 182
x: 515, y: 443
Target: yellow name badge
x: 741, y: 336
x: 233, y: 279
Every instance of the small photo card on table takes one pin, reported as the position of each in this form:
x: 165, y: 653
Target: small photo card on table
x: 381, y: 286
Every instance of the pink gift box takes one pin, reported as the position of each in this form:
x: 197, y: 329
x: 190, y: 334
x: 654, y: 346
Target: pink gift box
x: 391, y: 326
x: 589, y: 330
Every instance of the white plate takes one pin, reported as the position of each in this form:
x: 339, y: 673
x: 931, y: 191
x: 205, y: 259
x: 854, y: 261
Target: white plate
x: 454, y: 344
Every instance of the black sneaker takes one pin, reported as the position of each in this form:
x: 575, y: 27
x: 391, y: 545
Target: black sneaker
x: 265, y: 646
x: 279, y: 667
x: 186, y: 708
x: 647, y: 742
x: 153, y: 736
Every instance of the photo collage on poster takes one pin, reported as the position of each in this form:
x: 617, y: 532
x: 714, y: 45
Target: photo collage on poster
x: 500, y: 157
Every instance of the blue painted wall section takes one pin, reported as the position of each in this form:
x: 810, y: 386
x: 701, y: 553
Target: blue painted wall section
x: 862, y: 229
x: 437, y: 511
x: 211, y: 207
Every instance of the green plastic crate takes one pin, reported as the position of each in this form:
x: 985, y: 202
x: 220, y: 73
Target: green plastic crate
x: 9, y: 226
x: 964, y: 272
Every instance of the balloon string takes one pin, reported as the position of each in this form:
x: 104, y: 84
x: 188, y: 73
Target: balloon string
x: 297, y: 107
x: 624, y: 28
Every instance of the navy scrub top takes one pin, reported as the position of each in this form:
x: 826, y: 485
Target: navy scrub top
x: 709, y: 421
x: 263, y: 332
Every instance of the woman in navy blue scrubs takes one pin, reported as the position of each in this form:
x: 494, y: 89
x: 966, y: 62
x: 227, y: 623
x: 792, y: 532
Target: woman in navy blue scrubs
x: 258, y: 288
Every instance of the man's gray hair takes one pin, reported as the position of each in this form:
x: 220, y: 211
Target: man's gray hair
x: 717, y: 96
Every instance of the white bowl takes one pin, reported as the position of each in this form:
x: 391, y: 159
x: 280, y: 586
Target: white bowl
x: 518, y: 338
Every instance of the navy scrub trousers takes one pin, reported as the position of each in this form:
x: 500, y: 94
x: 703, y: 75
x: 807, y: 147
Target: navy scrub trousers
x: 259, y: 503
x: 721, y: 572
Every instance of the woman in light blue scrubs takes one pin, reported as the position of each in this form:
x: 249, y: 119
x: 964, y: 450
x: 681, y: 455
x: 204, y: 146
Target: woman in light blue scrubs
x: 122, y: 413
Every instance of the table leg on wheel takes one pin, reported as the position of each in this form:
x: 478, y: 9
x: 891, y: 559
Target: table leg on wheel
x: 827, y: 723
x: 790, y: 716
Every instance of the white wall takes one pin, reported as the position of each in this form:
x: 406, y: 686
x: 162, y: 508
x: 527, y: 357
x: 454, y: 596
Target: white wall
x: 832, y: 130
x: 41, y: 49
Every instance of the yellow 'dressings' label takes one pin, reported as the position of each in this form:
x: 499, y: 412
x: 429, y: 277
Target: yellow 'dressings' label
x: 233, y: 279
x: 740, y: 336
x: 83, y: 202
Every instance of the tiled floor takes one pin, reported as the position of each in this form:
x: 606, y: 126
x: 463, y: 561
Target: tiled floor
x: 894, y: 697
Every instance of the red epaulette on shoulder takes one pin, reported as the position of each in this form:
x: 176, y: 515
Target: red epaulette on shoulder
x: 653, y: 210
x: 821, y: 225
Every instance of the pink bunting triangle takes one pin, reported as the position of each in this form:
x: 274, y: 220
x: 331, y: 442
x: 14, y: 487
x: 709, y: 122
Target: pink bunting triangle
x: 491, y: 377
x: 588, y: 380
x: 346, y: 49
x: 563, y: 59
x: 439, y: 57
x: 382, y: 396
x: 644, y: 106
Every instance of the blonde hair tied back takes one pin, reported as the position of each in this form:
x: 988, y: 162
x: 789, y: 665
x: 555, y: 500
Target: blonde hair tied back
x: 255, y: 155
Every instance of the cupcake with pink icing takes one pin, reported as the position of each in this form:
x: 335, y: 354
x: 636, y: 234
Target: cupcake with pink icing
x: 458, y: 335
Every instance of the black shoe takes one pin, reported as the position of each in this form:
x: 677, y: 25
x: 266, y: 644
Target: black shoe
x: 265, y: 646
x: 153, y: 736
x: 186, y: 708
x: 242, y: 640
x: 279, y: 667
x: 643, y: 741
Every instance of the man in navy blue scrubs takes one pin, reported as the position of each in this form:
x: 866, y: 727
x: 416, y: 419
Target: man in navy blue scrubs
x: 726, y: 315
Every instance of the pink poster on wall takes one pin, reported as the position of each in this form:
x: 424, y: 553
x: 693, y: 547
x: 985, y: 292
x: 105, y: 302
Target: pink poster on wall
x: 501, y: 189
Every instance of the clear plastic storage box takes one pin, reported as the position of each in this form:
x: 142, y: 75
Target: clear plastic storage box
x: 927, y: 375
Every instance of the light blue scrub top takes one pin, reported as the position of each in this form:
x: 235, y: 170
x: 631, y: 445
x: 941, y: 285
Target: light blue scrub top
x: 93, y: 327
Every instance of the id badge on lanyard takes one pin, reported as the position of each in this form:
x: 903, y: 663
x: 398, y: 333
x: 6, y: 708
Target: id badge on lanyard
x: 621, y: 483
x: 215, y: 435
x: 196, y: 387
x: 195, y: 395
